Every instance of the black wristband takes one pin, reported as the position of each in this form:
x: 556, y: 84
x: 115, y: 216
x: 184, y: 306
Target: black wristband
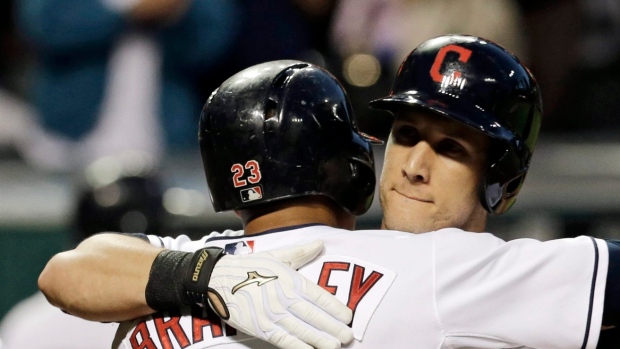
x: 180, y: 278
x: 164, y: 289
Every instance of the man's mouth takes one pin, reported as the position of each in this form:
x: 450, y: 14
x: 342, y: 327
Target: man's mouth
x: 413, y: 197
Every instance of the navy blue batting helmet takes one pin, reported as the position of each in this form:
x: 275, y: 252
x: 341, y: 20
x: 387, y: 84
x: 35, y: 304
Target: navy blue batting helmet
x: 480, y: 84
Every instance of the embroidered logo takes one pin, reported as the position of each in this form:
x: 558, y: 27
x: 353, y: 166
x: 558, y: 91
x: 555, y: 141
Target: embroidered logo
x: 239, y: 247
x: 251, y: 194
x: 253, y: 277
x: 452, y: 73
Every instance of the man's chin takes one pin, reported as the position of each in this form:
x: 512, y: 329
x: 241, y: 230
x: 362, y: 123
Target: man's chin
x: 407, y: 226
x: 412, y: 217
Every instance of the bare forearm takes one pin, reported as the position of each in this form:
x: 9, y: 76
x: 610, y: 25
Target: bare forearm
x: 103, y: 279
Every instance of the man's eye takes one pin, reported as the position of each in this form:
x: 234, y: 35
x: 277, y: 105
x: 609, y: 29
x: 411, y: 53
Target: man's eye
x: 406, y: 135
x: 451, y: 148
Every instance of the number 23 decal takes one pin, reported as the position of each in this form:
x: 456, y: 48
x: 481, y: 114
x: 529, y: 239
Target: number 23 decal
x: 238, y: 170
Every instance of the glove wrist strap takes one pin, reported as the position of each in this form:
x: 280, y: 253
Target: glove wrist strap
x: 197, y: 276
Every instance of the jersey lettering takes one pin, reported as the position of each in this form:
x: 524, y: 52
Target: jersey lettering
x: 358, y: 286
x: 145, y: 341
x: 326, y: 272
x: 464, y: 55
x: 199, y: 323
x: 164, y: 327
x: 356, y: 282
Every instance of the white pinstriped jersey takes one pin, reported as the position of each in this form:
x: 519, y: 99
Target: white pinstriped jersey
x: 445, y: 289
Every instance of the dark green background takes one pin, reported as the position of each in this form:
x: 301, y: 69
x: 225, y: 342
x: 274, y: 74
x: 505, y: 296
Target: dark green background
x: 24, y: 251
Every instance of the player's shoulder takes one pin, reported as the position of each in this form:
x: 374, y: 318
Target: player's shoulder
x: 323, y: 230
x: 444, y: 234
x: 454, y: 237
x: 185, y: 243
x: 382, y: 234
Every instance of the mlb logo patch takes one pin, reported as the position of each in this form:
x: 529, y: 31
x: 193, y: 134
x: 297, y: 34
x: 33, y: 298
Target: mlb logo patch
x: 251, y: 194
x: 239, y: 247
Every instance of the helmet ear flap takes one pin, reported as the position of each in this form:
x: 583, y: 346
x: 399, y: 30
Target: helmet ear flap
x: 498, y: 191
x: 364, y: 179
x: 497, y: 198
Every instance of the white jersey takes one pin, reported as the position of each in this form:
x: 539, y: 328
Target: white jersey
x: 445, y: 289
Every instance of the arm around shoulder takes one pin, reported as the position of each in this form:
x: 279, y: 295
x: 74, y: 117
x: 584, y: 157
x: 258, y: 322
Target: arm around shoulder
x: 103, y: 279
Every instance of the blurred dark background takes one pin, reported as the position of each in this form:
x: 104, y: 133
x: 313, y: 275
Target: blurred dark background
x: 61, y: 64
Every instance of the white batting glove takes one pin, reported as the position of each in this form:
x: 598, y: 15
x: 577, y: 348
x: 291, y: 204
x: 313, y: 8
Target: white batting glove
x: 264, y: 296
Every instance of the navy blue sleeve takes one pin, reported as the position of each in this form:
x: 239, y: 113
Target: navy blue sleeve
x: 609, y: 339
x: 611, y: 309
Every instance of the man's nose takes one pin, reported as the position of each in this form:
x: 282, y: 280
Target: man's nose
x: 418, y: 162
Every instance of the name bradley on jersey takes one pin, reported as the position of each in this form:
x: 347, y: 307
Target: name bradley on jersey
x: 357, y: 283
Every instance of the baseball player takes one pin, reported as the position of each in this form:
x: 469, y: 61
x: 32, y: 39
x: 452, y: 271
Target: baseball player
x: 441, y: 290
x: 438, y: 173
x: 373, y: 272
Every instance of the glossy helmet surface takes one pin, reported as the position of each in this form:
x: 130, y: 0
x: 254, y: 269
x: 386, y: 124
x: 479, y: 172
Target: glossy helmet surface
x: 284, y: 129
x: 480, y: 84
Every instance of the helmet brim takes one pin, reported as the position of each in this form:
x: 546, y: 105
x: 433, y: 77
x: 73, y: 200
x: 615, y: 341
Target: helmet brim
x: 475, y: 118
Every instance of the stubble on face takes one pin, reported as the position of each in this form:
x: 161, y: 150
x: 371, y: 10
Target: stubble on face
x: 417, y: 218
x: 448, y: 195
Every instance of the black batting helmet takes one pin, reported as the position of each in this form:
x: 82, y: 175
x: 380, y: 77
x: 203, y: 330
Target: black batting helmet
x: 478, y: 83
x: 280, y: 130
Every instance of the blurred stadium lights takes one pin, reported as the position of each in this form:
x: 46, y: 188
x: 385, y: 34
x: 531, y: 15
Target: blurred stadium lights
x: 361, y: 70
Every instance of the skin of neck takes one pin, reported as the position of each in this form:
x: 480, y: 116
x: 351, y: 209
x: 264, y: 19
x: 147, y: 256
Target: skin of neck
x: 296, y: 211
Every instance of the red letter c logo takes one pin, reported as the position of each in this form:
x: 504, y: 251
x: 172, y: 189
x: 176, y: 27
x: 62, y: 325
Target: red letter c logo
x: 464, y: 55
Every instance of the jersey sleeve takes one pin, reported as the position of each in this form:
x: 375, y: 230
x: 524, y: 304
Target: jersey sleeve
x: 526, y: 292
x: 184, y: 243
